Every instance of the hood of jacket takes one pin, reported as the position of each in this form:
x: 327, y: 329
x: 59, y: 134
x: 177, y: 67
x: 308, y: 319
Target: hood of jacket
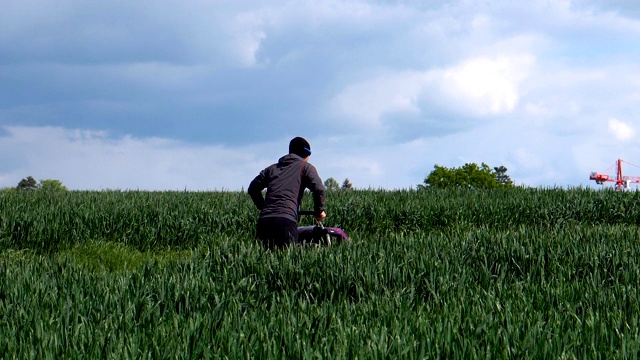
x: 289, y: 159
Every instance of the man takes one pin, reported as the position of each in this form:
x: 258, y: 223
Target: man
x: 286, y: 182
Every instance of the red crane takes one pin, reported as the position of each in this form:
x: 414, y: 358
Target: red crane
x: 622, y: 181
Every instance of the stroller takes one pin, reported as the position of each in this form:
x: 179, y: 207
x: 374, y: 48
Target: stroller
x: 319, y: 234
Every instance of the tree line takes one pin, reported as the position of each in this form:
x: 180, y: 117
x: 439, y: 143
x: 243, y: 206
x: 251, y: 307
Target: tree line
x: 332, y: 184
x: 470, y: 175
x: 29, y: 183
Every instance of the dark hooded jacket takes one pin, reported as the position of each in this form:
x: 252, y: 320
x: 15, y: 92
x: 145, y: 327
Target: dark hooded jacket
x: 285, y: 183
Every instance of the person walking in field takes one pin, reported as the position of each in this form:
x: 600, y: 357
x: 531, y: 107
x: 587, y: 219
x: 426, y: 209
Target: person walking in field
x: 286, y: 182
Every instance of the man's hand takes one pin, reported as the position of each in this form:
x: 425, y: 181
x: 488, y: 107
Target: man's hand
x: 322, y: 216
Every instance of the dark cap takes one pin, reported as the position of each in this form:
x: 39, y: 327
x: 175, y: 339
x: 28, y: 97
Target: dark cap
x: 300, y: 147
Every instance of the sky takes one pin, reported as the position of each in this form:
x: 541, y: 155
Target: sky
x: 202, y: 95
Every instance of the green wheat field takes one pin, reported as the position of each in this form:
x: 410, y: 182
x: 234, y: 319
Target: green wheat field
x: 505, y: 273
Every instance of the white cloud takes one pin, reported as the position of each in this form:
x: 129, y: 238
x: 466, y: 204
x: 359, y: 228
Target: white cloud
x: 539, y: 109
x: 367, y: 102
x: 478, y: 86
x: 487, y: 85
x: 248, y: 33
x: 93, y: 160
x: 620, y: 130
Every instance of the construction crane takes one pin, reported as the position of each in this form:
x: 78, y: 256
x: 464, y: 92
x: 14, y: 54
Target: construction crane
x: 621, y: 181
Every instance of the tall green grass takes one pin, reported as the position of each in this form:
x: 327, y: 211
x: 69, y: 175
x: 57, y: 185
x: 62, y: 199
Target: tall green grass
x: 512, y: 273
x: 49, y: 221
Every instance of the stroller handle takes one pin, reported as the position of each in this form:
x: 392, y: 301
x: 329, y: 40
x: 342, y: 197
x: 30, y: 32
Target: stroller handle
x: 312, y: 213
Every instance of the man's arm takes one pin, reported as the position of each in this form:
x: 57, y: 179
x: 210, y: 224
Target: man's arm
x: 318, y: 190
x: 255, y: 190
x: 318, y: 204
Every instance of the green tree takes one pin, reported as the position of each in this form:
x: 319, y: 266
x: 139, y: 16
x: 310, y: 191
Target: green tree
x: 49, y: 184
x: 501, y: 175
x: 347, y: 185
x: 28, y: 184
x: 468, y: 176
x: 331, y: 184
x: 52, y: 185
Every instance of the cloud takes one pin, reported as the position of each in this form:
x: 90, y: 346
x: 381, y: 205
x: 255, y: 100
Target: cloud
x: 95, y: 160
x: 367, y: 102
x: 219, y: 34
x: 476, y: 87
x: 620, y: 130
x: 98, y: 160
x: 203, y: 94
x: 487, y: 85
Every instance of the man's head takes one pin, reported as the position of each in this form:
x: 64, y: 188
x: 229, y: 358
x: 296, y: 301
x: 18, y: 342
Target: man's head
x: 300, y: 147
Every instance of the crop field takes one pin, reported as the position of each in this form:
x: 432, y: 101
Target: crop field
x: 504, y: 273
